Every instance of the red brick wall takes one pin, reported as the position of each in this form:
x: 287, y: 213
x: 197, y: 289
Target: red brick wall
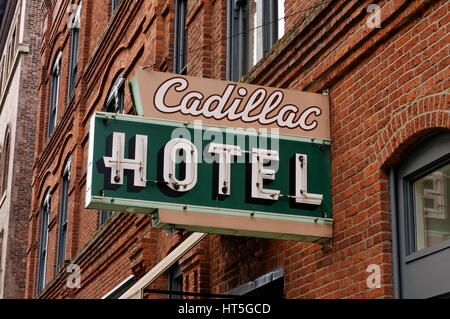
x: 387, y: 89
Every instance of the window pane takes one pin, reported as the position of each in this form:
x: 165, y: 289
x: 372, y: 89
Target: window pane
x: 74, y: 60
x: 43, y: 246
x: 63, y: 219
x: 115, y: 101
x: 431, y: 206
x: 104, y: 215
x: 115, y: 3
x: 280, y: 19
x: 175, y: 281
x: 180, y: 48
x: 255, y: 33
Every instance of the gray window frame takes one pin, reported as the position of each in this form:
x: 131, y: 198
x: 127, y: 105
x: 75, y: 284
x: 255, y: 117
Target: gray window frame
x: 114, y: 5
x: 74, y: 48
x: 54, y: 94
x: 63, y: 214
x: 43, y: 243
x: 180, y: 38
x: 238, y: 33
x: 423, y: 273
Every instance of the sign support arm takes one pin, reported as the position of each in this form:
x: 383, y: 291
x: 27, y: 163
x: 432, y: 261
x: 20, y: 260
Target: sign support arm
x: 136, y: 291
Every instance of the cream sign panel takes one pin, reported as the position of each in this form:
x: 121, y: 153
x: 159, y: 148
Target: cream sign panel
x: 175, y: 97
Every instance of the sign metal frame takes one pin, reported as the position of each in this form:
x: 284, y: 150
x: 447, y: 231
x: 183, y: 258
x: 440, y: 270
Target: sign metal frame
x: 167, y: 215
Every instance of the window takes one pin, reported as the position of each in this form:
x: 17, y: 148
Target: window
x: 104, y: 215
x: 62, y: 233
x: 74, y: 50
x: 43, y: 246
x: 175, y: 281
x: 115, y: 99
x: 114, y: 104
x: 420, y: 199
x: 114, y: 4
x: 5, y: 162
x: 253, y: 27
x: 180, y: 46
x: 54, y: 93
x: 430, y: 202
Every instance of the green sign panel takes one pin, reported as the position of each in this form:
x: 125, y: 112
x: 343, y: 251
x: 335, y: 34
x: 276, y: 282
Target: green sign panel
x: 201, y: 174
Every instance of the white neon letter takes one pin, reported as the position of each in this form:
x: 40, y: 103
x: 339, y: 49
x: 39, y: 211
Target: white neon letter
x: 301, y: 183
x: 118, y: 163
x: 259, y: 173
x: 170, y: 162
x: 225, y: 152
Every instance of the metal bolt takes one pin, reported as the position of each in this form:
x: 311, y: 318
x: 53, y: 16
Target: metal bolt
x: 301, y: 159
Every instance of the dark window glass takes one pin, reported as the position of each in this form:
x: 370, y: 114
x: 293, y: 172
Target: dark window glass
x: 175, y: 281
x: 180, y: 47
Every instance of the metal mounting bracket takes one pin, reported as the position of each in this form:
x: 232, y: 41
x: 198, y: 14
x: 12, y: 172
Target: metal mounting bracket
x: 326, y: 244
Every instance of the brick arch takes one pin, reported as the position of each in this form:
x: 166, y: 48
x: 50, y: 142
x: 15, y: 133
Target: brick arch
x: 57, y: 47
x: 44, y: 184
x: 409, y: 124
x: 4, y: 160
x: 112, y: 67
x: 63, y: 153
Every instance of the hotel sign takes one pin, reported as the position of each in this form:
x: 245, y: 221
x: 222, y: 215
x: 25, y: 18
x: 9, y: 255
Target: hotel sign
x: 201, y: 177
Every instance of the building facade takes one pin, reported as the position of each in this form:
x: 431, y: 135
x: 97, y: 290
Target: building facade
x: 384, y: 66
x: 19, y: 67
